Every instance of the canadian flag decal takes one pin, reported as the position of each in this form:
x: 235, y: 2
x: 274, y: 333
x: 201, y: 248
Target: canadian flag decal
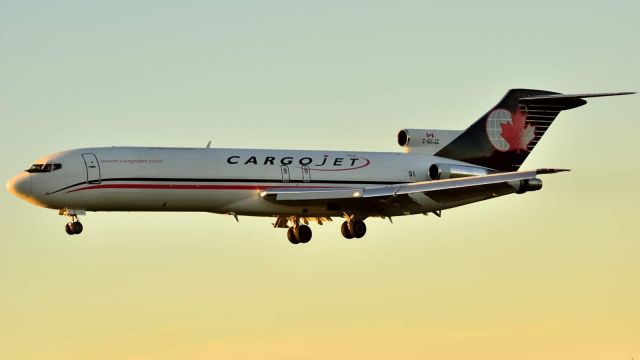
x: 508, y: 131
x: 517, y: 133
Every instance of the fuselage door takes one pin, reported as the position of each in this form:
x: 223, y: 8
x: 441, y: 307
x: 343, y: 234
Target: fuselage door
x: 93, y: 168
x: 285, y: 173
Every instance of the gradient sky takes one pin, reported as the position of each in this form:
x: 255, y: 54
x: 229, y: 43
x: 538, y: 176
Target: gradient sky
x: 553, y: 274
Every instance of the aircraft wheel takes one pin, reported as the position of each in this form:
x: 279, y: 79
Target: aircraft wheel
x: 76, y: 227
x: 344, y: 229
x: 69, y: 229
x: 357, y: 228
x: 291, y: 235
x: 303, y: 233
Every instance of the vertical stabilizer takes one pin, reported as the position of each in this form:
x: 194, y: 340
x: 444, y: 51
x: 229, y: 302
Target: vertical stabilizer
x: 503, y: 137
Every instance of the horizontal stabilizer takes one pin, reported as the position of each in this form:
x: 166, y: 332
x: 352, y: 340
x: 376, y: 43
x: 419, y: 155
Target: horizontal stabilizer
x: 575, y: 96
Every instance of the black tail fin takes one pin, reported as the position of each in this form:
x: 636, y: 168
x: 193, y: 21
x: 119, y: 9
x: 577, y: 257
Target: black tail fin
x: 503, y: 137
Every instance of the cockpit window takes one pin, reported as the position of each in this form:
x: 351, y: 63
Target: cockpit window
x: 40, y: 168
x: 36, y: 168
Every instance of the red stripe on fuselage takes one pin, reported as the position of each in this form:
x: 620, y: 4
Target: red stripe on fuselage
x: 193, y: 187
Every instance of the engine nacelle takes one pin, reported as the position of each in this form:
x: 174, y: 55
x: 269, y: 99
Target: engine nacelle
x: 450, y: 171
x: 425, y: 140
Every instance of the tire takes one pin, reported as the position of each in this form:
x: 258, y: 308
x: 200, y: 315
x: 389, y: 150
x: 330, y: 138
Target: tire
x: 344, y: 229
x: 291, y: 235
x: 69, y: 229
x: 303, y: 234
x: 358, y: 228
x: 76, y: 227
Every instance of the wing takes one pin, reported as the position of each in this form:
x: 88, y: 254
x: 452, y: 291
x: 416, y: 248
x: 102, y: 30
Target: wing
x: 308, y: 194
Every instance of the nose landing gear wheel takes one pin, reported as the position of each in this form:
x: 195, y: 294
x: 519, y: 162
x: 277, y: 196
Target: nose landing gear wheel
x: 69, y: 229
x: 73, y: 228
x: 77, y: 227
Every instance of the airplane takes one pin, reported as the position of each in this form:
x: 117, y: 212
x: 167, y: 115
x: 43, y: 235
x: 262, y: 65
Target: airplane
x: 436, y: 170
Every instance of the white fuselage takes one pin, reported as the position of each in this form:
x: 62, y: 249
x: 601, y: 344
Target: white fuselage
x: 225, y: 180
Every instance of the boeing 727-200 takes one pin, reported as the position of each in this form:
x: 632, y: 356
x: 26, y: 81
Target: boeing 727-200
x: 437, y: 170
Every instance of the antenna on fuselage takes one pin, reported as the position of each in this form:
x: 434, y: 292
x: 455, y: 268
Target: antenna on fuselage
x: 208, y: 145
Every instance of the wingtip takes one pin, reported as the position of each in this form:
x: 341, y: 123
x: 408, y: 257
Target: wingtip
x: 550, y: 171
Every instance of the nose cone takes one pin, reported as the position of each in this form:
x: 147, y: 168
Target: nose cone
x: 20, y: 185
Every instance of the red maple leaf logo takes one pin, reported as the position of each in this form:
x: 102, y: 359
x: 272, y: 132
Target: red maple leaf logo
x: 516, y: 133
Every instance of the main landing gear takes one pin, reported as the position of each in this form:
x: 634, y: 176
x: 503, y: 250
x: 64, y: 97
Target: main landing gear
x: 299, y: 231
x: 300, y: 234
x: 353, y: 229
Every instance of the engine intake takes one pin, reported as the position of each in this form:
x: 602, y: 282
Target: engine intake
x: 450, y: 171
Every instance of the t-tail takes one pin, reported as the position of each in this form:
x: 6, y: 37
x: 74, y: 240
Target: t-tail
x: 503, y: 137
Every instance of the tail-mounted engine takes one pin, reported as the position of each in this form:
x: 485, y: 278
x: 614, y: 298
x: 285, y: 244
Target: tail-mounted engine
x: 425, y: 140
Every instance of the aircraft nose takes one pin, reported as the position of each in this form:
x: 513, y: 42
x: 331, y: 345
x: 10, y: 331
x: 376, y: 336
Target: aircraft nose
x: 20, y: 185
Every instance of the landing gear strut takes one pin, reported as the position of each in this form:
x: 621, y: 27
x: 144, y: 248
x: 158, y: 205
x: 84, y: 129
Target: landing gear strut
x: 353, y: 229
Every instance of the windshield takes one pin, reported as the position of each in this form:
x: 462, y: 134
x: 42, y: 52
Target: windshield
x: 40, y: 168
